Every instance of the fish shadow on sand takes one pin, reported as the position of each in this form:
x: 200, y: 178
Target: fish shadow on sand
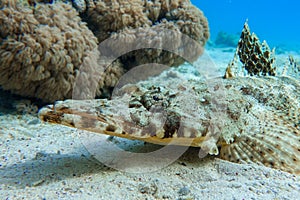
x: 48, y: 168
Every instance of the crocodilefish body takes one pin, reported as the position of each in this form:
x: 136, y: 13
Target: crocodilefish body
x: 242, y: 119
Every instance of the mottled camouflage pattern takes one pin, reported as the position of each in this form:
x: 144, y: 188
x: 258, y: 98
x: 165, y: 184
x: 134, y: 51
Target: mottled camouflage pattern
x: 242, y: 119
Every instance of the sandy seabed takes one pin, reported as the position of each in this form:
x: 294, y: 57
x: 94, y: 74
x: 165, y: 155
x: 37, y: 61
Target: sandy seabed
x: 46, y: 161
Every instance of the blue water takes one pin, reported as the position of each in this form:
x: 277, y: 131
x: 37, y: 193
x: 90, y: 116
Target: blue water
x: 276, y: 21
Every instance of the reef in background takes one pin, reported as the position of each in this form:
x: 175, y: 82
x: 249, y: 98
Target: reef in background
x: 224, y: 39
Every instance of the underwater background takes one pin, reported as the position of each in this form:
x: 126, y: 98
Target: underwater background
x: 39, y: 160
x: 277, y: 22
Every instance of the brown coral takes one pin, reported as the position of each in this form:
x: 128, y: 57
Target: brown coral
x: 47, y: 52
x: 145, y: 22
x: 42, y: 49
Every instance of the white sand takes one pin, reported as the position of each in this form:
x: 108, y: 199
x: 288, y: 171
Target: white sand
x: 43, y: 161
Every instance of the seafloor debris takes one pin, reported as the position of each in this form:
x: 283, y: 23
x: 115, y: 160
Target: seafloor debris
x: 256, y: 57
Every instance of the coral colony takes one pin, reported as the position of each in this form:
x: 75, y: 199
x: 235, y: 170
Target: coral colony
x: 256, y: 57
x: 47, y: 46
